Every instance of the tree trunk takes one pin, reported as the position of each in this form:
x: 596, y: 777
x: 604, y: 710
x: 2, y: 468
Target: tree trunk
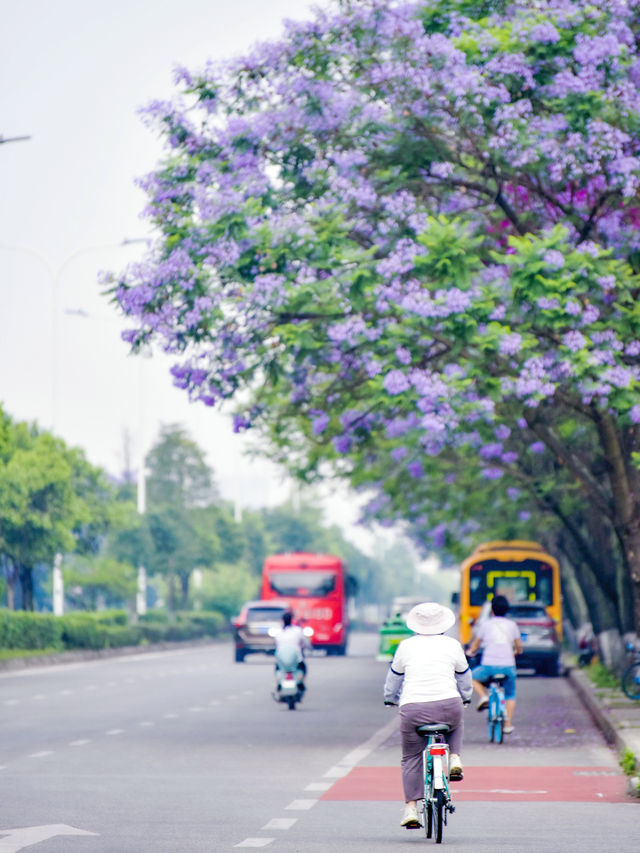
x: 171, y: 587
x: 26, y: 583
x: 184, y: 585
x: 624, y: 479
x: 10, y: 573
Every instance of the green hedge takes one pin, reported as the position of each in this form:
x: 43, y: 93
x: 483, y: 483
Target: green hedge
x: 22, y: 630
x: 102, y: 630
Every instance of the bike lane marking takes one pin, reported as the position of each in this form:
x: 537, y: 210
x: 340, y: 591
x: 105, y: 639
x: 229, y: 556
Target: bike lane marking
x: 338, y: 771
x: 513, y: 783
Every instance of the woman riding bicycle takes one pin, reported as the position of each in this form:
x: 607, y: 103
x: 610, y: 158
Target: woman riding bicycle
x: 429, y: 677
x: 500, y: 640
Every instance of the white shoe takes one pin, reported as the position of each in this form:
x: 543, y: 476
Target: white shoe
x: 507, y: 730
x: 455, y: 768
x: 410, y: 817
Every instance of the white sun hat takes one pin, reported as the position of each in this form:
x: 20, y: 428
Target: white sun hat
x: 430, y: 618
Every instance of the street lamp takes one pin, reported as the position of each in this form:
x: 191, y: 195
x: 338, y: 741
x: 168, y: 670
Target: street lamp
x: 5, y: 139
x: 55, y: 278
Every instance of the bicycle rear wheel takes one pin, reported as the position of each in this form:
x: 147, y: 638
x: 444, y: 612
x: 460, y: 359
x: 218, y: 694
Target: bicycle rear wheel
x: 438, y: 816
x: 492, y: 713
x: 631, y: 681
x: 498, y: 730
x: 428, y: 818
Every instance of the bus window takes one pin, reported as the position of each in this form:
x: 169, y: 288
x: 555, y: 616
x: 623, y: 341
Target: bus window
x: 304, y: 584
x: 513, y: 589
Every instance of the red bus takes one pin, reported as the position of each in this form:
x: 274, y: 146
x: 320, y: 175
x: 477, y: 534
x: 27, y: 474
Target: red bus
x: 315, y: 585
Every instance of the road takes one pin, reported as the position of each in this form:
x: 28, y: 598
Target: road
x: 185, y: 751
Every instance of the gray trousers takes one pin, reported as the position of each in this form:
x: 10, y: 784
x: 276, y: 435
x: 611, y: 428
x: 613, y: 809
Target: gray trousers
x: 414, y: 714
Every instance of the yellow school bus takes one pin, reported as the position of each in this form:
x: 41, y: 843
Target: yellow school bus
x: 519, y: 570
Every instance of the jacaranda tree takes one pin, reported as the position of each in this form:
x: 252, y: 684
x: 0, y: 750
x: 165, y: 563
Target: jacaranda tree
x: 407, y: 234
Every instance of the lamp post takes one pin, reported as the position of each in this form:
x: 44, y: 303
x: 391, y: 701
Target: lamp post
x: 55, y: 278
x: 5, y: 139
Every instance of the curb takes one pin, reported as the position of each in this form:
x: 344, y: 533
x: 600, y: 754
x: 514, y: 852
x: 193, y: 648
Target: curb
x: 11, y: 664
x: 585, y: 691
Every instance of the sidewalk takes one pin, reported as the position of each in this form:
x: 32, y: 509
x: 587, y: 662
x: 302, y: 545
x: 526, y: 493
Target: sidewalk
x: 617, y: 716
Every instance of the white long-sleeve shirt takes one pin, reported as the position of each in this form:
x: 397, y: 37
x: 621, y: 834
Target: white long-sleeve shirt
x: 428, y: 668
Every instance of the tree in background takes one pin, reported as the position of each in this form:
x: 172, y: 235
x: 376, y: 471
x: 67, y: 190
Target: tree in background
x: 51, y: 501
x: 99, y: 582
x: 408, y: 230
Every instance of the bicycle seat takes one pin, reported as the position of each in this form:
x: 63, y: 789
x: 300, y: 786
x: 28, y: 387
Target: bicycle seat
x: 499, y: 678
x: 439, y: 729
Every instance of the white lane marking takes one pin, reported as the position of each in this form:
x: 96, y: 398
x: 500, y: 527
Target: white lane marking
x: 300, y: 805
x: 346, y: 764
x: 337, y: 771
x: 41, y: 754
x: 16, y: 839
x: 196, y: 709
x: 356, y: 755
x: 81, y: 742
x: 114, y: 732
x: 3, y: 766
x: 170, y: 716
x: 147, y: 723
x: 249, y: 842
x: 319, y: 786
x: 215, y: 702
x: 280, y: 823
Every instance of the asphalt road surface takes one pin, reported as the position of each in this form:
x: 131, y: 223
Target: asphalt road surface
x: 186, y: 751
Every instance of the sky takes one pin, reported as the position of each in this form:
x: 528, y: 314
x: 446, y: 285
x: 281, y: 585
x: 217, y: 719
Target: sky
x: 73, y: 75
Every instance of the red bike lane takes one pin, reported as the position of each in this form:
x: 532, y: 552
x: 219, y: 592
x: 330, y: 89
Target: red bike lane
x: 556, y: 754
x: 504, y: 784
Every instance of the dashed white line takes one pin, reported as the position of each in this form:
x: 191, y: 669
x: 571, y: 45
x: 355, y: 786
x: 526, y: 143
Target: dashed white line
x: 42, y: 754
x: 255, y: 842
x: 319, y: 786
x: 170, y: 716
x: 300, y: 805
x: 336, y: 771
x: 147, y: 723
x: 81, y: 742
x: 114, y: 732
x: 280, y: 823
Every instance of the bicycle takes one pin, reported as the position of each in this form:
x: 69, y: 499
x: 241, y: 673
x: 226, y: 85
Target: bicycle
x: 631, y: 675
x: 437, y: 798
x: 497, y: 708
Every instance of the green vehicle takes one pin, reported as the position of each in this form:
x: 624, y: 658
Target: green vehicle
x: 392, y: 632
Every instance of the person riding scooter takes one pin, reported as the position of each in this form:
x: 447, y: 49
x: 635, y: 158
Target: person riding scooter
x: 291, y: 643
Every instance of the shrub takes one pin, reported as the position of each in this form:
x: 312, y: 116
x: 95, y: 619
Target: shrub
x: 628, y: 762
x: 25, y: 630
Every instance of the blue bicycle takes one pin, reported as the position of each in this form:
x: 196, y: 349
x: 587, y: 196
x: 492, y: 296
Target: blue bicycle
x: 497, y: 708
x: 437, y: 799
